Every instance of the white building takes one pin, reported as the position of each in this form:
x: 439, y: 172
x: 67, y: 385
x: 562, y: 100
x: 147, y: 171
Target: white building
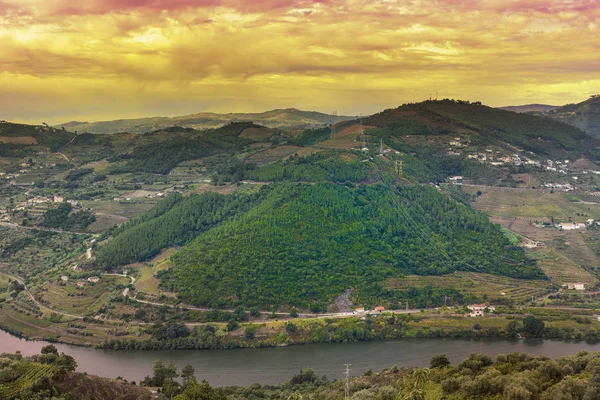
x: 575, y: 286
x: 567, y: 226
x: 480, y: 307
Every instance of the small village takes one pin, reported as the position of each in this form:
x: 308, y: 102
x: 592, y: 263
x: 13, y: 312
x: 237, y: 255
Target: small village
x: 35, y: 206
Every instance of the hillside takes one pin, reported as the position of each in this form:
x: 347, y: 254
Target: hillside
x: 484, y: 126
x: 529, y: 108
x: 584, y: 115
x: 305, y: 244
x: 280, y: 118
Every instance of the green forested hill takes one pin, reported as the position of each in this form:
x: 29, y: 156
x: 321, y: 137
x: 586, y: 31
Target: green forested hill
x: 306, y: 244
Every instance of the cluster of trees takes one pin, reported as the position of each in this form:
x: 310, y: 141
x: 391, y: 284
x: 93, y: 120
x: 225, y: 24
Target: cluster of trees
x: 162, y: 157
x: 320, y: 167
x: 519, y: 376
x: 78, y: 173
x: 61, y: 217
x: 165, y: 378
x: 311, y: 137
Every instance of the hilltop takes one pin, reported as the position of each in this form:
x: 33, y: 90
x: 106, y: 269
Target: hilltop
x: 485, y: 126
x: 529, y: 108
x: 279, y: 118
x: 584, y: 115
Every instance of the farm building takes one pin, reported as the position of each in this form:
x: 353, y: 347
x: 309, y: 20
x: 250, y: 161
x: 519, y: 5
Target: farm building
x: 574, y: 286
x: 567, y: 226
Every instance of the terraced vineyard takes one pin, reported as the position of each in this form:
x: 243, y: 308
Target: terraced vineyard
x: 481, y: 285
x: 528, y: 203
x: 86, y: 300
x: 561, y: 269
x: 29, y: 374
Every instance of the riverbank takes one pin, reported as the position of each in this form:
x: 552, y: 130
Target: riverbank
x: 275, y: 365
x: 240, y: 332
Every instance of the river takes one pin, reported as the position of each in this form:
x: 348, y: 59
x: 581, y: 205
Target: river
x: 275, y: 365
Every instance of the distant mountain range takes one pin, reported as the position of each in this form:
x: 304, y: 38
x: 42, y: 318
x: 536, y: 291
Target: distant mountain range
x: 279, y: 118
x: 529, y: 108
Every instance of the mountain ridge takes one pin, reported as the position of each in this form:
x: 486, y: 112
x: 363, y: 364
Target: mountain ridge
x: 525, y: 108
x: 276, y: 118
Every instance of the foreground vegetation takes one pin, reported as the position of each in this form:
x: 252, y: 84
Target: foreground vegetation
x: 514, y: 376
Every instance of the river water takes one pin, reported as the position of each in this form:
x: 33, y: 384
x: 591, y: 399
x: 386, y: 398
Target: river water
x: 275, y: 365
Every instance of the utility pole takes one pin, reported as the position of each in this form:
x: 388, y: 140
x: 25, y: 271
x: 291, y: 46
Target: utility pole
x: 445, y: 300
x: 333, y: 115
x: 407, y: 306
x: 381, y: 147
x: 347, y: 387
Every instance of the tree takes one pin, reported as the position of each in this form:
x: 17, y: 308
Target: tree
x: 249, y: 333
x: 200, y: 391
x: 49, y: 349
x: 294, y: 313
x: 440, y: 361
x: 232, y: 325
x: 512, y: 328
x: 187, y: 373
x: 159, y: 373
x: 67, y: 362
x: 533, y: 326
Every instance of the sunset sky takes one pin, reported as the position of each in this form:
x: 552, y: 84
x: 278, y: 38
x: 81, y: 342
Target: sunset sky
x: 64, y: 60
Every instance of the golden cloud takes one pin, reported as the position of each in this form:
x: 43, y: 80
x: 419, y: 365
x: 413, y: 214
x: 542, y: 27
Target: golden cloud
x: 115, y: 58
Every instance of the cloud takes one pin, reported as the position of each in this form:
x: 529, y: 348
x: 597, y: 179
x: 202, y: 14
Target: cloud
x: 286, y: 50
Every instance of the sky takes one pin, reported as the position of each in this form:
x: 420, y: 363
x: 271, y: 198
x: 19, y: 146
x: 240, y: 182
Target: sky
x: 90, y: 60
